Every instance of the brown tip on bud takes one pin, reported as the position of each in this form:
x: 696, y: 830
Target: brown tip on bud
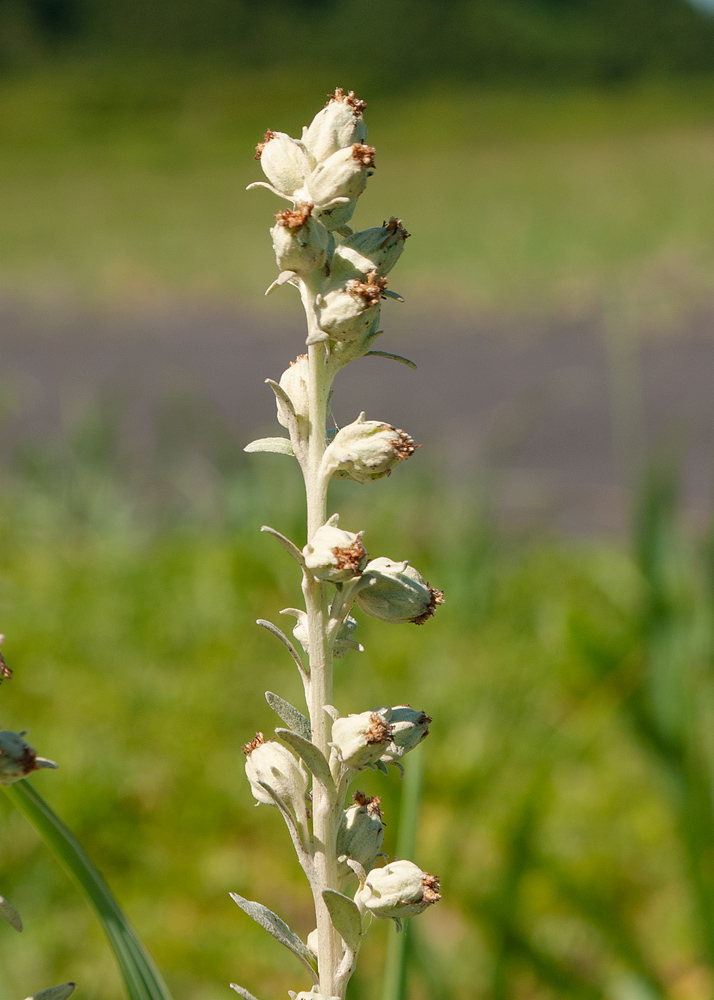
x: 437, y: 597
x: 293, y: 218
x: 254, y: 743
x: 5, y: 672
x: 360, y: 799
x: 351, y: 558
x: 378, y: 730
x: 298, y: 359
x: 261, y: 145
x: 371, y: 290
x: 372, y: 804
x: 405, y: 448
x: 396, y: 226
x: 363, y: 154
x: 431, y: 888
x: 350, y: 99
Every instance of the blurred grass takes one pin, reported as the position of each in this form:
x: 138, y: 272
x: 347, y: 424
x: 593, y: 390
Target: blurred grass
x: 567, y: 782
x: 126, y: 182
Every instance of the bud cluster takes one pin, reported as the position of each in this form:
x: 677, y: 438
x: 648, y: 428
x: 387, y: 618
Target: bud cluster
x: 382, y: 734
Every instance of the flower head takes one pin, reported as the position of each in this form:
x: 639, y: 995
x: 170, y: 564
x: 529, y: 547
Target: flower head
x: 360, y: 740
x: 18, y: 758
x: 269, y: 763
x: 400, y: 889
x: 398, y: 593
x: 366, y: 449
x: 333, y: 554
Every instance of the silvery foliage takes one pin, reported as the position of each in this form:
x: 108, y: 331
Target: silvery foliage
x: 306, y: 772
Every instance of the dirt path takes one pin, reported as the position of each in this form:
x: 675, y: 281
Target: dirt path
x: 533, y: 404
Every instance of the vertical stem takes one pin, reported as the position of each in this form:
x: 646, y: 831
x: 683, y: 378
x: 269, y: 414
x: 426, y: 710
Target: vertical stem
x: 325, y: 815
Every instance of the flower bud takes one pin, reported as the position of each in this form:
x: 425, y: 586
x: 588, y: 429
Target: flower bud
x: 284, y: 162
x: 398, y: 593
x: 348, y: 311
x: 338, y: 215
x: 398, y: 890
x: 360, y: 740
x: 343, y: 642
x: 371, y: 250
x: 294, y: 382
x: 273, y: 764
x: 333, y: 554
x: 18, y: 758
x: 365, y: 450
x: 299, y: 241
x: 361, y: 833
x: 339, y: 124
x: 409, y: 728
x: 342, y: 175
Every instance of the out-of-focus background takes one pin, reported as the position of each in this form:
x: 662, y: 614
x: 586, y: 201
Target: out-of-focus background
x: 553, y: 161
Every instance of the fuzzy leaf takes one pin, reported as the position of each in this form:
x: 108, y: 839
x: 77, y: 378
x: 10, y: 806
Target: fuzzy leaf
x: 9, y: 913
x: 272, y: 923
x: 392, y: 357
x: 345, y: 917
x: 242, y: 992
x: 279, y: 446
x: 55, y: 992
x: 290, y: 715
x: 313, y: 757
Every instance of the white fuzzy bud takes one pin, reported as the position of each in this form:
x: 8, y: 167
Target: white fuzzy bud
x: 342, y: 175
x: 339, y: 124
x: 409, y: 728
x: 371, y: 250
x: 400, y: 889
x: 299, y: 240
x: 365, y: 450
x: 348, y: 311
x: 335, y: 555
x: 361, y: 833
x: 272, y: 764
x: 360, y: 740
x: 343, y: 642
x: 18, y: 758
x: 398, y: 593
x: 294, y: 382
x: 284, y: 162
x: 338, y: 215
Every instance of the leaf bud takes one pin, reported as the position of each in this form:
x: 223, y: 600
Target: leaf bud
x: 18, y: 758
x: 294, y: 382
x: 335, y: 555
x: 348, y: 311
x: 409, y: 728
x: 342, y: 175
x: 399, y: 889
x: 376, y: 250
x: 343, y: 642
x: 269, y: 763
x: 284, y: 162
x: 360, y: 740
x: 361, y: 833
x: 338, y: 125
x: 365, y: 450
x: 299, y: 240
x: 398, y: 593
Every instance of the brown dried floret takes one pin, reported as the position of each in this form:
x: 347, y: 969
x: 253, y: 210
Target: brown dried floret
x: 432, y: 886
x: 293, y: 218
x: 257, y: 741
x: 372, y: 803
x: 437, y: 597
x: 349, y: 98
x: 261, y: 145
x: 371, y: 290
x: 351, y: 557
x: 363, y: 154
x: 396, y: 226
x: 378, y: 730
x: 5, y: 672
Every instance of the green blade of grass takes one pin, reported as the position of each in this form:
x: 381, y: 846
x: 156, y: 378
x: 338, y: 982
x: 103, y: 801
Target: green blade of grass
x: 395, y: 971
x: 141, y: 977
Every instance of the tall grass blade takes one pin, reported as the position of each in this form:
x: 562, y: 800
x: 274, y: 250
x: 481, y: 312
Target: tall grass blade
x: 141, y: 977
x: 394, y: 986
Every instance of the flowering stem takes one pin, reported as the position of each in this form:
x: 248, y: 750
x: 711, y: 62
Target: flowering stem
x: 324, y: 813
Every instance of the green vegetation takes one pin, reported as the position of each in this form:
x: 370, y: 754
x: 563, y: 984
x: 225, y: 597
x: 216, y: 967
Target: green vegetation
x: 567, y: 791
x: 127, y: 184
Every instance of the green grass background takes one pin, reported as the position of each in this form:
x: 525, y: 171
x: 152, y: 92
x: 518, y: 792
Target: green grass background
x: 568, y: 777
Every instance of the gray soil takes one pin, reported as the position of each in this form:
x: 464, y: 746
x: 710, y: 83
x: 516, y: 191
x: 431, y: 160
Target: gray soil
x: 530, y: 405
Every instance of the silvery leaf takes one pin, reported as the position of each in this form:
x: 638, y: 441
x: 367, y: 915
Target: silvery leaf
x: 345, y: 917
x: 290, y: 715
x: 272, y: 923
